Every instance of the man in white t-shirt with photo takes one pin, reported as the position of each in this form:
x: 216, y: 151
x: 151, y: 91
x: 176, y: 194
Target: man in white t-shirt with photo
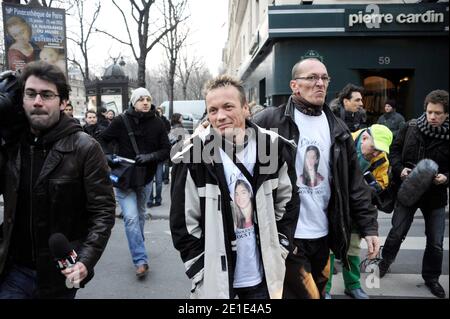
x: 331, y: 188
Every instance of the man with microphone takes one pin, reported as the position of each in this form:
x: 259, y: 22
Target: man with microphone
x: 54, y: 179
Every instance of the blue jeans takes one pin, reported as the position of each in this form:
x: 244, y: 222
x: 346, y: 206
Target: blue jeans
x: 158, y: 178
x: 434, y: 232
x: 133, y: 204
x: 21, y: 283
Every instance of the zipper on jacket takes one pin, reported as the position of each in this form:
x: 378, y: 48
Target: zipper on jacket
x: 339, y: 196
x: 33, y: 256
x: 223, y: 260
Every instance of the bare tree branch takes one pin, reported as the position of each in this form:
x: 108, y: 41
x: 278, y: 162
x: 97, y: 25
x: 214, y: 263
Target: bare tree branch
x: 113, y: 37
x: 85, y: 31
x: 80, y: 67
x: 173, y: 42
x: 149, y: 32
x: 185, y: 70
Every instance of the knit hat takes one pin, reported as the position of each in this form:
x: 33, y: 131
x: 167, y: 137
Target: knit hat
x: 137, y: 94
x: 391, y: 103
x: 382, y: 137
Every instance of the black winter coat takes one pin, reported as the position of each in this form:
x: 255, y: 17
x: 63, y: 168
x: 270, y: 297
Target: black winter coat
x: 409, y: 148
x: 72, y: 195
x: 350, y: 201
x: 150, y: 133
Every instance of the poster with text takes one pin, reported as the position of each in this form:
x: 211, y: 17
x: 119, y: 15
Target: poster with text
x: 34, y: 33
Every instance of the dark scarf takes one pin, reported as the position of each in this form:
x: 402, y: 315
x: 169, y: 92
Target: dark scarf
x: 441, y: 132
x: 138, y: 116
x: 305, y: 107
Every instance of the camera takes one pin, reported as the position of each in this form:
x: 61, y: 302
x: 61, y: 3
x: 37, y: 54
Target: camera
x: 12, y: 115
x: 372, y: 182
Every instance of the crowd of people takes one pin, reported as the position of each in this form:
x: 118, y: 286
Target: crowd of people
x: 254, y: 214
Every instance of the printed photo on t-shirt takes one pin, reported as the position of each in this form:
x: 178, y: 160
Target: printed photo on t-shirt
x: 310, y: 175
x: 243, y: 199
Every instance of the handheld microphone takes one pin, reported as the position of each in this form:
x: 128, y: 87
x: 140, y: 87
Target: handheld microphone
x: 417, y: 182
x: 61, y: 250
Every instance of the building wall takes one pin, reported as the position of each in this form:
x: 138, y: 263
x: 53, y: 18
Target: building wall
x: 246, y: 17
x: 77, y: 96
x: 417, y: 58
x: 339, y: 56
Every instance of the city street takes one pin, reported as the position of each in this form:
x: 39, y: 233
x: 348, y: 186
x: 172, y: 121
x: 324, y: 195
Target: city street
x: 115, y: 277
x: 115, y: 273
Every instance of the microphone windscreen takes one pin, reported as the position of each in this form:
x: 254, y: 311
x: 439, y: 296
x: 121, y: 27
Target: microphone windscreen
x: 59, y: 246
x: 417, y: 182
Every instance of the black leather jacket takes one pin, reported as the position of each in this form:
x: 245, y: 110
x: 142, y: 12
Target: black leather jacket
x: 72, y: 195
x: 350, y: 202
x: 411, y: 146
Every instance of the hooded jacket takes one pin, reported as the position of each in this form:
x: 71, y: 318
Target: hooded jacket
x: 381, y: 172
x: 353, y: 120
x: 393, y: 120
x: 201, y: 219
x: 71, y: 194
x: 350, y: 200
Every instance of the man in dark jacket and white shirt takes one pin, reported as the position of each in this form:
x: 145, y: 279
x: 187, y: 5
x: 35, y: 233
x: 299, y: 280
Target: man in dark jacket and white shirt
x: 330, y: 205
x: 54, y: 180
x: 233, y: 207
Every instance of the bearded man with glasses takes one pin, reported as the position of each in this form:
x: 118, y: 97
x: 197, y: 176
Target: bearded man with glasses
x: 54, y: 179
x: 326, y: 209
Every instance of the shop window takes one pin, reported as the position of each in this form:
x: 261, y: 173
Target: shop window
x: 376, y: 91
x: 381, y: 85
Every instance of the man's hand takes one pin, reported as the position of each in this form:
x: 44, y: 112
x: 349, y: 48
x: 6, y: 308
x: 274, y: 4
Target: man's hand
x: 110, y: 158
x: 405, y: 173
x: 201, y: 128
x: 440, y: 179
x: 76, y: 274
x: 373, y: 246
x: 5, y: 74
x: 143, y: 159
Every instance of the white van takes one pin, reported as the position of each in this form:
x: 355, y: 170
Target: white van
x: 195, y: 107
x: 192, y: 112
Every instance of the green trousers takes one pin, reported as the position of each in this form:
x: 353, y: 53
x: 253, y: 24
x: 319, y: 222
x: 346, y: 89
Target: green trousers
x: 352, y: 276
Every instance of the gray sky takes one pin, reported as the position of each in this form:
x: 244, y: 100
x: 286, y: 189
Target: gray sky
x: 208, y: 24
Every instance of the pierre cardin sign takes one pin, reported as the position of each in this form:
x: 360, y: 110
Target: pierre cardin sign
x: 383, y: 18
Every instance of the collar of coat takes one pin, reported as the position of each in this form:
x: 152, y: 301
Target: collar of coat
x: 338, y: 129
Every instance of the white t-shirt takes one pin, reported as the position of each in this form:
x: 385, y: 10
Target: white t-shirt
x: 312, y: 167
x: 248, y: 271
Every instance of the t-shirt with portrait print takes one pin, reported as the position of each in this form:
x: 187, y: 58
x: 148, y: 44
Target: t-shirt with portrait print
x: 248, y: 271
x: 312, y: 169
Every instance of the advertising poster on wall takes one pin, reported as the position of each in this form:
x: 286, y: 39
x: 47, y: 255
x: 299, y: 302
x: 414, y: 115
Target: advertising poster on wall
x: 34, y: 33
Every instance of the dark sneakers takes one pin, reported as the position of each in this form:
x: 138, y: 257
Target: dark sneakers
x: 435, y: 288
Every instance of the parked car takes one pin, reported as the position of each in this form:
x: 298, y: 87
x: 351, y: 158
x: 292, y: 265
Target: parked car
x: 192, y: 111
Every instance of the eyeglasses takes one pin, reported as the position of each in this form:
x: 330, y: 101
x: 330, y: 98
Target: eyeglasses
x: 315, y: 78
x: 45, y: 95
